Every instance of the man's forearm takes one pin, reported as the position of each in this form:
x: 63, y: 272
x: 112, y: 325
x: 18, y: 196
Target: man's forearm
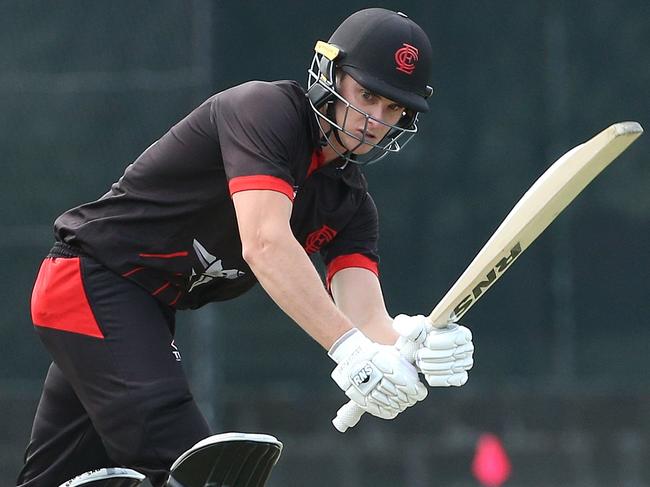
x: 288, y: 276
x: 357, y: 293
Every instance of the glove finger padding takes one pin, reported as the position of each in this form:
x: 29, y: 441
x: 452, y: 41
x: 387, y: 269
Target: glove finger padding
x: 448, y: 368
x: 448, y: 338
x: 399, y: 375
x: 421, y: 391
x: 445, y: 355
x: 446, y: 380
x: 380, y: 411
x: 435, y: 357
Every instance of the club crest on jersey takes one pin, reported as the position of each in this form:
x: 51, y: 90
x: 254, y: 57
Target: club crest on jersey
x: 316, y: 239
x: 212, y: 268
x: 406, y: 57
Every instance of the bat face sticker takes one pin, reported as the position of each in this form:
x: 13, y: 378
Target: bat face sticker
x: 493, y: 274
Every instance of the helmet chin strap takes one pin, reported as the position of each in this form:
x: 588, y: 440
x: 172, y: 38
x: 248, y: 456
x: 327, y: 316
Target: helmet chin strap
x: 348, y: 152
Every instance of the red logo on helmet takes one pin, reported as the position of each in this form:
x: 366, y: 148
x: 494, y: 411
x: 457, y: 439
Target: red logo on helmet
x: 318, y: 238
x: 405, y: 57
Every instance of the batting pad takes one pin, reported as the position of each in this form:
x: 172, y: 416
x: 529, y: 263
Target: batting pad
x: 227, y: 460
x: 107, y: 477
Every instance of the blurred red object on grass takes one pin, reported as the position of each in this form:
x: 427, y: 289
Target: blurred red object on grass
x: 491, y: 465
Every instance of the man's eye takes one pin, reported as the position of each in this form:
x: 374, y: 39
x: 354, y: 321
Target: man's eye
x: 367, y: 95
x: 396, y: 108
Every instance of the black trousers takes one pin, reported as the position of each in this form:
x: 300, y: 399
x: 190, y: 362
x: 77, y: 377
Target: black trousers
x: 116, y: 393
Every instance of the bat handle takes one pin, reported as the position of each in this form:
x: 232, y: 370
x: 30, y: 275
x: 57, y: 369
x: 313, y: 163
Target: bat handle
x: 347, y: 416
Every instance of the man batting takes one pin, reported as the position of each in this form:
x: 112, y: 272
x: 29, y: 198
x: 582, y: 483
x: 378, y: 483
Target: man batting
x: 238, y: 192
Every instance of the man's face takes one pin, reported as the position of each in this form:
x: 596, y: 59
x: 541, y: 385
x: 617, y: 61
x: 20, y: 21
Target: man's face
x: 376, y: 106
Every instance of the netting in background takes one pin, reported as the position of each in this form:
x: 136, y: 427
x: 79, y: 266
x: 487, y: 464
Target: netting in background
x: 561, y: 341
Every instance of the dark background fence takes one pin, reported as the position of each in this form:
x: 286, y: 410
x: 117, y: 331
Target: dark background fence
x: 561, y: 369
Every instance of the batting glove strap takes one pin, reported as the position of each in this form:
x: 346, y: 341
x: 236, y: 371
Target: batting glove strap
x: 347, y: 345
x: 353, y: 353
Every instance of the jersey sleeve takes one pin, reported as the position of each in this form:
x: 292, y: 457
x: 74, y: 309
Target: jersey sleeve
x: 356, y: 245
x: 258, y: 125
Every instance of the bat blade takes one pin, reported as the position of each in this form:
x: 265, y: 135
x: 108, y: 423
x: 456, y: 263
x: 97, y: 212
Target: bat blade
x: 535, y: 211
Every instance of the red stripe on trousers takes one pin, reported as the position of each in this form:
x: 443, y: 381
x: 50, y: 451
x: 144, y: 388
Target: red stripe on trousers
x: 59, y: 300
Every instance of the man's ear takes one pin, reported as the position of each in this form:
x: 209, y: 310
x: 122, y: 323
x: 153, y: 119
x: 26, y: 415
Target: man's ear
x: 339, y: 76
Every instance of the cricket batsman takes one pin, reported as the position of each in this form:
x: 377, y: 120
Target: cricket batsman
x: 240, y: 191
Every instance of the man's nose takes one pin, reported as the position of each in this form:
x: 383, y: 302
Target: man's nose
x: 376, y: 115
x: 379, y: 115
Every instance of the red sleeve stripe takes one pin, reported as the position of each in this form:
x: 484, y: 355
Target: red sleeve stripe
x: 246, y: 183
x: 350, y: 260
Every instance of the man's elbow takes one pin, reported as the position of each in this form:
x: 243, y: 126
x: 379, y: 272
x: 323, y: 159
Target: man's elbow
x: 260, y: 247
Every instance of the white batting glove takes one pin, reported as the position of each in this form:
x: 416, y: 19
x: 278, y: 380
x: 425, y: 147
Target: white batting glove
x: 443, y: 355
x: 375, y: 376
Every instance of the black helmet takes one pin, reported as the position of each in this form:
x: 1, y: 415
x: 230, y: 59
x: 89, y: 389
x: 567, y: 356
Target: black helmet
x: 388, y: 54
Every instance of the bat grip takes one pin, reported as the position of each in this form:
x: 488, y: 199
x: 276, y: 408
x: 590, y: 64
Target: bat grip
x: 347, y: 416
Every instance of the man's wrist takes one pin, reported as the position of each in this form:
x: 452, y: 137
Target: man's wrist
x: 348, y: 345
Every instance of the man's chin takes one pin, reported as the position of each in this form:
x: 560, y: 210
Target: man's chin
x: 361, y: 150
x: 354, y: 146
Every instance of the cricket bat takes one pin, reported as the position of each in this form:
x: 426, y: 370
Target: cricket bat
x: 535, y: 211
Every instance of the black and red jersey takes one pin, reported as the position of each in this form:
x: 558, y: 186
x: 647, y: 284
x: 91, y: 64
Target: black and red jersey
x: 169, y: 222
